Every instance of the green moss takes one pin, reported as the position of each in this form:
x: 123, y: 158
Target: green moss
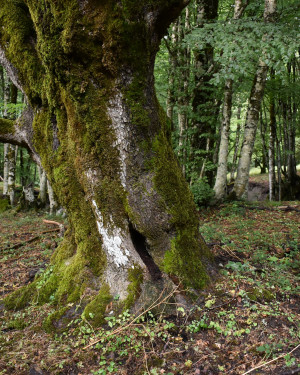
x: 70, y: 65
x: 46, y: 288
x: 6, y: 126
x: 136, y: 277
x: 188, y: 268
x: 49, y: 323
x: 95, y: 310
x: 155, y: 362
x: 73, y: 272
x: 134, y: 95
x: 17, y: 324
x: 20, y: 298
x: 188, y: 251
x: 18, y: 35
x: 65, y: 250
x: 4, y: 204
x: 260, y: 295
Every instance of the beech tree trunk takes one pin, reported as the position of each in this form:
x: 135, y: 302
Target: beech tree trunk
x: 293, y: 178
x: 263, y: 131
x: 221, y: 177
x: 173, y: 62
x: 279, y: 169
x: 241, y: 182
x: 236, y: 144
x: 256, y: 95
x: 5, y: 168
x: 272, y: 178
x: 10, y: 151
x: 184, y: 60
x: 9, y: 172
x: 204, y: 104
x: 11, y: 180
x: 94, y: 123
x: 43, y: 185
x: 5, y: 86
x: 52, y: 200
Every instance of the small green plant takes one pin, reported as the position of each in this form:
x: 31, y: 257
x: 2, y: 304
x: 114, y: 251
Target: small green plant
x: 268, y: 349
x: 43, y: 278
x: 289, y: 360
x: 233, y: 209
x: 202, y: 192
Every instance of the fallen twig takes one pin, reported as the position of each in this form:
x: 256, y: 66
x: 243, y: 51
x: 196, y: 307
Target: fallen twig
x: 52, y: 222
x: 272, y: 360
x: 62, y: 228
x: 146, y: 361
x: 281, y: 208
x: 230, y: 252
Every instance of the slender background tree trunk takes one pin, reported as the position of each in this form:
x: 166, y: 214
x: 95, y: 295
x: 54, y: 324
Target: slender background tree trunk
x: 272, y: 139
x: 256, y: 95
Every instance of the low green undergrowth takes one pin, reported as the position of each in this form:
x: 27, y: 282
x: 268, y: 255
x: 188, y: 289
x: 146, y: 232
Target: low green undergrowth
x: 247, y: 317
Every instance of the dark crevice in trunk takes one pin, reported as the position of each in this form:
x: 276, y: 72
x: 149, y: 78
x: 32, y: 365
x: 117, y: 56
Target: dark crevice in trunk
x: 139, y: 242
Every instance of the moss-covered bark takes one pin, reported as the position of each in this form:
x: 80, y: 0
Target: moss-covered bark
x: 6, y: 126
x: 87, y: 70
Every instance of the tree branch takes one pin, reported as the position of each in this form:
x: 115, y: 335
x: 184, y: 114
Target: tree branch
x: 10, y: 69
x: 160, y: 19
x: 10, y: 133
x: 19, y: 132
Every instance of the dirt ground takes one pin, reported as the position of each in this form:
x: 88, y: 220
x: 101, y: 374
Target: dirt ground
x: 247, y: 321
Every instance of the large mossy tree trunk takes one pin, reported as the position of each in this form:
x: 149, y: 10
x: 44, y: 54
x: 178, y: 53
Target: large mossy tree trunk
x: 86, y: 68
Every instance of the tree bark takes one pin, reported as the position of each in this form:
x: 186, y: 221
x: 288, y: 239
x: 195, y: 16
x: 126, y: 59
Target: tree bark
x: 184, y: 60
x: 204, y: 104
x: 43, y: 186
x: 256, y: 95
x: 102, y: 139
x: 279, y: 169
x: 293, y: 179
x: 9, y: 96
x: 11, y: 180
x: 236, y: 144
x: 5, y: 86
x: 5, y: 169
x: 52, y: 199
x: 272, y: 178
x: 221, y: 177
x: 173, y: 62
x: 264, y: 146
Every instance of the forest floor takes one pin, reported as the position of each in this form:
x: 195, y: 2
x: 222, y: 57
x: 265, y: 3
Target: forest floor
x: 246, y: 322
